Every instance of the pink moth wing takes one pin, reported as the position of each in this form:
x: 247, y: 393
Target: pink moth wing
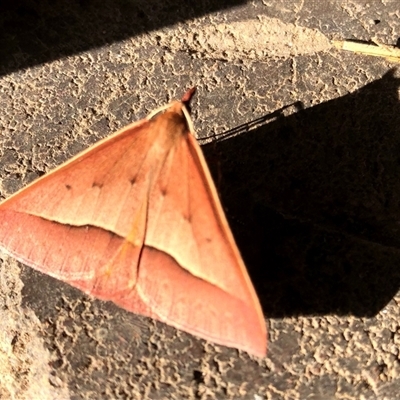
x: 136, y: 219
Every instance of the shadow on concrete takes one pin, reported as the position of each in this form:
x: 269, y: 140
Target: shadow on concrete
x: 38, y: 31
x: 314, y: 203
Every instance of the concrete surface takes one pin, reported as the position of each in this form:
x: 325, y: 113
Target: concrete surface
x: 312, y: 192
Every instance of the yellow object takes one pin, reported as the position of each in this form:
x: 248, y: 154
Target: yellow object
x: 391, y: 53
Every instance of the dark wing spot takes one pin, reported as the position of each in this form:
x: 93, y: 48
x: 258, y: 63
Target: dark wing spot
x: 97, y: 184
x: 68, y: 187
x: 187, y: 217
x: 132, y: 180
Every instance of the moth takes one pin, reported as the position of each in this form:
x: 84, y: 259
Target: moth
x: 136, y: 220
